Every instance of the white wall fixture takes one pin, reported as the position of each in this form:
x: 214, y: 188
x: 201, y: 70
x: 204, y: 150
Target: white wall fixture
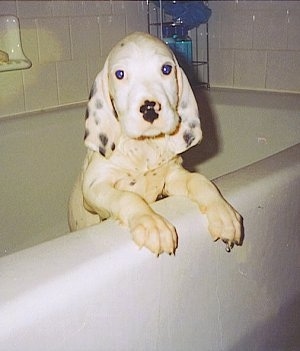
x: 12, y: 56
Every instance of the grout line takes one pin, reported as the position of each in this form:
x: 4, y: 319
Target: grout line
x: 57, y: 85
x: 24, y: 95
x: 233, y: 68
x: 266, y: 69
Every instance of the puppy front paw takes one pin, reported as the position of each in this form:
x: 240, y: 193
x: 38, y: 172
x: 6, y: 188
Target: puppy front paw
x: 155, y: 233
x: 224, y: 223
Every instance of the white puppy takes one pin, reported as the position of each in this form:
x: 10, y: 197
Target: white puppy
x: 141, y: 114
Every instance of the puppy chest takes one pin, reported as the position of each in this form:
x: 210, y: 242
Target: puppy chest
x: 149, y: 185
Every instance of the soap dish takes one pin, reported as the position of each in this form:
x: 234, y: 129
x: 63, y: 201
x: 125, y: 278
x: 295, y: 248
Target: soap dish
x: 10, y: 43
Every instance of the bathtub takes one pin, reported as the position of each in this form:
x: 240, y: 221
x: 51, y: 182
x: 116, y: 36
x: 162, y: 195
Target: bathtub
x: 95, y: 290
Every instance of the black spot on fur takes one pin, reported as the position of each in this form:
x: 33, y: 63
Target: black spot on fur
x: 98, y: 104
x: 188, y: 138
x: 86, y: 134
x: 132, y: 183
x: 122, y: 44
x: 103, y: 138
x: 160, y: 197
x: 183, y: 104
x: 86, y: 114
x: 102, y: 151
x: 113, y: 146
x: 96, y: 118
x: 192, y: 125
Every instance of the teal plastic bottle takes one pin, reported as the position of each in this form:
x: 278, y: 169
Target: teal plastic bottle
x: 183, y: 45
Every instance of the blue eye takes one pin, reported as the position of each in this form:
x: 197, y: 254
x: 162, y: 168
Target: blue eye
x: 166, y: 69
x: 119, y: 74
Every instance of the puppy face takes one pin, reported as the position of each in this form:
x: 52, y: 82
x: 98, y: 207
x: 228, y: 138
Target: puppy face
x: 141, y: 92
x: 143, y: 87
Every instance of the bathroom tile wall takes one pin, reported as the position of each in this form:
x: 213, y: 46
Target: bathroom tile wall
x: 67, y: 42
x: 255, y: 44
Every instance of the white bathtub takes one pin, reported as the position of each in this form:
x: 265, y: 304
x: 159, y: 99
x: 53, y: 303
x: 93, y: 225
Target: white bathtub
x: 94, y: 290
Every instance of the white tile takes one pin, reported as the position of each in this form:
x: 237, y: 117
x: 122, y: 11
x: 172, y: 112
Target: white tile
x: 92, y: 8
x: 250, y: 68
x: 214, y: 30
x: 222, y: 6
x: 94, y: 66
x: 40, y: 85
x: 226, y: 30
x: 34, y: 9
x: 112, y: 30
x: 72, y: 81
x: 221, y: 67
x: 294, y: 31
x: 118, y: 7
x: 237, y: 30
x: 54, y: 39
x: 295, y: 4
x: 153, y: 13
x: 198, y: 36
x: 200, y: 71
x: 283, y: 70
x: 67, y: 8
x: 85, y: 37
x: 272, y: 5
x: 29, y: 39
x: 8, y: 7
x: 142, y: 7
x: 254, y: 5
x: 11, y: 93
x: 270, y: 31
x: 135, y: 20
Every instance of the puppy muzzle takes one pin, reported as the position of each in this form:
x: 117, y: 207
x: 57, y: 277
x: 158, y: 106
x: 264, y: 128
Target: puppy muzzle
x: 150, y: 110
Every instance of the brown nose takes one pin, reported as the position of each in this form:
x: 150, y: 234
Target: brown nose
x: 149, y: 110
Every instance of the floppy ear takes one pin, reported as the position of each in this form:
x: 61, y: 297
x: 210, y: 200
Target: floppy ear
x: 189, y: 132
x: 102, y: 129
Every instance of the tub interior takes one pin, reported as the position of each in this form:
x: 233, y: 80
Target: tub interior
x: 40, y: 157
x: 42, y: 153
x: 241, y: 127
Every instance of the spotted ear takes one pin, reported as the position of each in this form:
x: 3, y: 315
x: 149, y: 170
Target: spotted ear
x: 102, y: 129
x: 189, y: 132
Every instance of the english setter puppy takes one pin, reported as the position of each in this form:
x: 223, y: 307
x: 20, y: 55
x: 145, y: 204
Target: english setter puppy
x: 141, y: 114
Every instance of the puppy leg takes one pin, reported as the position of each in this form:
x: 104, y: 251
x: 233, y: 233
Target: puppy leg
x: 224, y: 222
x: 78, y: 216
x: 147, y: 227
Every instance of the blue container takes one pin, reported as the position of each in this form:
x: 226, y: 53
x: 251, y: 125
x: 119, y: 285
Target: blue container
x: 183, y: 46
x: 183, y: 49
x: 176, y: 37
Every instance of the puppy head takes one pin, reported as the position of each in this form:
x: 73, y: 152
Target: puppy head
x: 141, y: 92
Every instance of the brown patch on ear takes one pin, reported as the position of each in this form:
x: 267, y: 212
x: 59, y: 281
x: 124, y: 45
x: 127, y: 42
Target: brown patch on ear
x: 98, y: 104
x: 103, y: 138
x: 183, y: 105
x: 102, y: 151
x: 189, y: 132
x: 101, y: 122
x: 188, y: 137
